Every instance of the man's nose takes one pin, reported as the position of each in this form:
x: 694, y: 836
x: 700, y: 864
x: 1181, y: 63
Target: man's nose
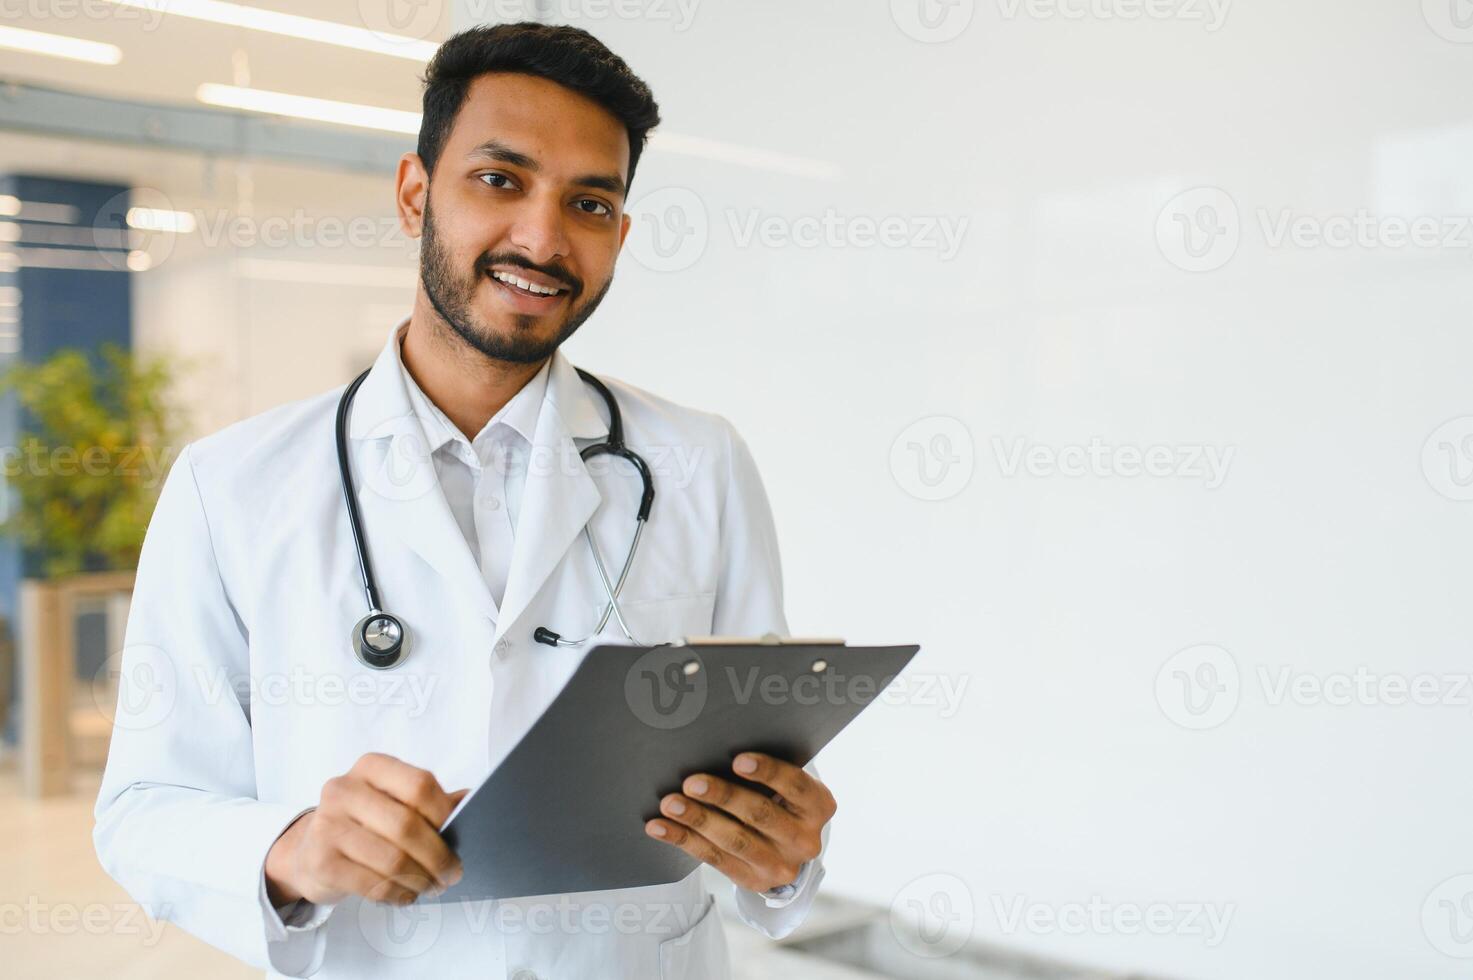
x: 540, y: 232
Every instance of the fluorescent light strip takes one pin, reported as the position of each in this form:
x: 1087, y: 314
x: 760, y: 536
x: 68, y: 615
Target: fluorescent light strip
x: 290, y: 25
x: 57, y: 46
x: 158, y: 219
x: 399, y: 121
x: 57, y: 214
x: 304, y: 107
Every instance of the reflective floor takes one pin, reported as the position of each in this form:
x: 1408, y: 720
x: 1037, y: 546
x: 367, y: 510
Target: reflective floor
x: 62, y: 916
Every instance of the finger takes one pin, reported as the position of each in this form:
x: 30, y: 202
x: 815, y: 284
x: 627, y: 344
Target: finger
x: 703, y: 850
x: 415, y: 788
x: 801, y: 793
x: 343, y: 874
x: 396, y: 823
x: 756, y: 810
x: 730, y: 835
x: 364, y: 847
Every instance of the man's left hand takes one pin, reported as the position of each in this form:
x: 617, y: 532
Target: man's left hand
x: 758, y: 841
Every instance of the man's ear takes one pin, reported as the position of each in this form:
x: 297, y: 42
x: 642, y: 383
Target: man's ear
x: 624, y: 231
x: 413, y: 183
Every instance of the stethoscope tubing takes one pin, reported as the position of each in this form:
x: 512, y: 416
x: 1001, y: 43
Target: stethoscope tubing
x: 350, y: 498
x: 613, y: 445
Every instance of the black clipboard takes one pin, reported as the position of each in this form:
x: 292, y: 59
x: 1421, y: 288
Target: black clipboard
x: 565, y: 810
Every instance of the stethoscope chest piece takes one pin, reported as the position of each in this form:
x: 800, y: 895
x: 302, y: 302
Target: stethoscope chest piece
x: 380, y: 641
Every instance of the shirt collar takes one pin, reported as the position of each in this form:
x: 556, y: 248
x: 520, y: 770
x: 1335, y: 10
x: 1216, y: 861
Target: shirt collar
x: 520, y: 414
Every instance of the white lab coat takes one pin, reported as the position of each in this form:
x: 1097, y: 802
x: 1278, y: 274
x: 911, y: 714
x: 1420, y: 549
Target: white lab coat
x: 240, y: 695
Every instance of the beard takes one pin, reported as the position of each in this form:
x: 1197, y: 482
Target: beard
x: 453, y: 297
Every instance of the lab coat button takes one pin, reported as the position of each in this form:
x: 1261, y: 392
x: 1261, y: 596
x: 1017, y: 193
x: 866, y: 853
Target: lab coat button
x: 525, y: 975
x: 503, y: 647
x: 493, y: 503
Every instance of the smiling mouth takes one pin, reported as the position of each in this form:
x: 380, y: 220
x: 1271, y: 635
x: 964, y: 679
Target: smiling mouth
x: 527, y: 287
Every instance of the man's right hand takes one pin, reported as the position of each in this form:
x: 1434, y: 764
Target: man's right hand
x: 375, y: 833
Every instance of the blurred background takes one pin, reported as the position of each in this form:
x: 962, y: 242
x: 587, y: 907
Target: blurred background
x: 1116, y: 351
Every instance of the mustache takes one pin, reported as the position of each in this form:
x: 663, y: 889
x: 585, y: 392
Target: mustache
x: 556, y: 270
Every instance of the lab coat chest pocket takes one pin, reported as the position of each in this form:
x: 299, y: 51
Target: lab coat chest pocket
x: 699, y: 953
x: 663, y: 619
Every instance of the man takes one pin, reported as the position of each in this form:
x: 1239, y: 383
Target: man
x: 271, y: 795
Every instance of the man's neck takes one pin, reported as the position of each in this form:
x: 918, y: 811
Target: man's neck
x: 465, y: 384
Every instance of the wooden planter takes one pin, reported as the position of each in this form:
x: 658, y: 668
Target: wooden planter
x: 47, y: 646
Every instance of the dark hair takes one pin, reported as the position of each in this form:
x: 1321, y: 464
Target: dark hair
x: 569, y: 56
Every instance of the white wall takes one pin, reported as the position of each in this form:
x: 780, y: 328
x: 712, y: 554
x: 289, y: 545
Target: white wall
x: 1056, y: 600
x: 1050, y: 602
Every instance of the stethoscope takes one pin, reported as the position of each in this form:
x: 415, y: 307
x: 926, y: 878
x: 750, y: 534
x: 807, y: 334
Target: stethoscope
x: 381, y: 640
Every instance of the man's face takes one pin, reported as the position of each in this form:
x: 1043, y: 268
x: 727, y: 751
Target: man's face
x: 524, y: 216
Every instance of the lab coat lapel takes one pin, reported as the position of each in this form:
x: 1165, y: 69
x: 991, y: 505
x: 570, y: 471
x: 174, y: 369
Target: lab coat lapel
x: 560, y: 496
x: 399, y: 492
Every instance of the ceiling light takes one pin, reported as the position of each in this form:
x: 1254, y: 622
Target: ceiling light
x: 35, y: 42
x: 157, y: 219
x: 304, y: 107
x: 291, y: 25
x: 400, y: 121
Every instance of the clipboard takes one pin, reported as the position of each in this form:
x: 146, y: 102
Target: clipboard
x: 565, y: 810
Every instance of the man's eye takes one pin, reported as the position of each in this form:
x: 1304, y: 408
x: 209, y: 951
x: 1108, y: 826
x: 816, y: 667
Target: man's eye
x: 489, y: 178
x: 589, y: 206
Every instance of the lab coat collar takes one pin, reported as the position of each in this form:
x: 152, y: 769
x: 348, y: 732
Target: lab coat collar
x: 401, y: 493
x: 519, y: 414
x: 560, y: 496
x: 382, y: 406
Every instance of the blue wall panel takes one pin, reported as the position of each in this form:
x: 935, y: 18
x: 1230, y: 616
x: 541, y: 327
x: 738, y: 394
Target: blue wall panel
x: 64, y: 282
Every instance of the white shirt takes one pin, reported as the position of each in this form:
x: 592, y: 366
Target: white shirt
x: 483, y: 478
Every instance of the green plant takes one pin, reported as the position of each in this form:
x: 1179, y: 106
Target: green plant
x: 85, y: 473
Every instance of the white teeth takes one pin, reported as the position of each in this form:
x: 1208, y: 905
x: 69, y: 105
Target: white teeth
x: 521, y: 283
